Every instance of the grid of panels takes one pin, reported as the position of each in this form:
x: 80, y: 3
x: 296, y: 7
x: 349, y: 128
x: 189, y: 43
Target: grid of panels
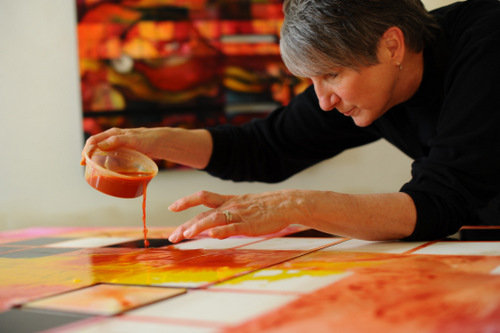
x: 101, y: 279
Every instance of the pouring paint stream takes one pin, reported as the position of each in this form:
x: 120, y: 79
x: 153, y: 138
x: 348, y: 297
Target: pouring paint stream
x: 145, y: 229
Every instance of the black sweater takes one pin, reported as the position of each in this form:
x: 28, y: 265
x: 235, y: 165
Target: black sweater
x: 450, y: 127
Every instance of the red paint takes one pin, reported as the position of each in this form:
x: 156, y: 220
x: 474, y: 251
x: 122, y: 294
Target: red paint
x: 395, y: 294
x: 145, y: 230
x: 130, y: 186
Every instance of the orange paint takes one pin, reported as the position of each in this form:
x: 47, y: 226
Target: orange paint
x: 131, y: 186
x: 395, y: 293
x: 104, y: 299
x: 145, y: 230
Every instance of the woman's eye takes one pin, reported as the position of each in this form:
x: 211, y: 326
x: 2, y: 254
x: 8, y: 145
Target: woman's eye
x: 332, y: 75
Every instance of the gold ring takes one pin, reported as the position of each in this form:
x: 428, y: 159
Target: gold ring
x: 229, y: 216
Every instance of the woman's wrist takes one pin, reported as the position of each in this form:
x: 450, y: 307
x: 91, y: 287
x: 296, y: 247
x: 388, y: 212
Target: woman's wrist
x: 191, y: 148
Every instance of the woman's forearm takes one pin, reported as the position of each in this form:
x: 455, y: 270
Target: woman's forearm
x: 385, y: 216
x: 192, y: 148
x: 370, y: 217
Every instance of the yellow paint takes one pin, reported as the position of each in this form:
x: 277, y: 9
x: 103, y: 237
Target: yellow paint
x: 186, y: 275
x: 42, y: 272
x: 275, y: 275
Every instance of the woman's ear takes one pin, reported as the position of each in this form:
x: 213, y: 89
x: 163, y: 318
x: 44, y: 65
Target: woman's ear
x: 394, y: 42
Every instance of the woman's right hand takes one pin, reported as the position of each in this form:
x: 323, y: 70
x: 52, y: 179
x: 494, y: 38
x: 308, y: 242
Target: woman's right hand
x: 140, y: 139
x: 192, y: 148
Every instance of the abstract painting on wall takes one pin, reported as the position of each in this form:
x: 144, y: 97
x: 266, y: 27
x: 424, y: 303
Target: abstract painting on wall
x: 186, y: 63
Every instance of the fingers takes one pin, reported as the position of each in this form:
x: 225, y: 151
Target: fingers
x: 216, y: 223
x: 114, y: 138
x: 87, y: 150
x: 251, y: 214
x: 200, y: 223
x: 107, y: 140
x: 204, y: 220
x: 229, y: 230
x: 206, y: 198
x: 213, y: 219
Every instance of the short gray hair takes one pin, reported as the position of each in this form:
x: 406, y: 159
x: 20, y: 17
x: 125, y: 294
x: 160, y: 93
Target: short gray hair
x: 317, y: 35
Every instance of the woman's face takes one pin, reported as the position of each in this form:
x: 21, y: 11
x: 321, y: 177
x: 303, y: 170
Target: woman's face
x: 363, y: 95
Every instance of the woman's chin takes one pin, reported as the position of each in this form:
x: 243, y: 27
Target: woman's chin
x: 362, y: 121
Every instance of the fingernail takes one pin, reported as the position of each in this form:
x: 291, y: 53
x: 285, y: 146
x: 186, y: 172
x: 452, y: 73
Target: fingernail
x: 188, y: 233
x: 103, y: 145
x: 90, y: 149
x: 173, y: 206
x: 174, y: 237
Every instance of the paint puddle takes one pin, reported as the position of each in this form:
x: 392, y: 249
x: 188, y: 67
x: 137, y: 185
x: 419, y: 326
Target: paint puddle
x: 152, y: 243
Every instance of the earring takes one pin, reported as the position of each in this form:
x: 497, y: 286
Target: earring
x: 400, y: 66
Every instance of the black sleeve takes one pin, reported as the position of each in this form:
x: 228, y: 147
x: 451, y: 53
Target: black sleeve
x: 460, y: 176
x: 289, y: 140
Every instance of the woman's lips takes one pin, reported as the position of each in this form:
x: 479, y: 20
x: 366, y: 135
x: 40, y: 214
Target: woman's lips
x: 348, y: 113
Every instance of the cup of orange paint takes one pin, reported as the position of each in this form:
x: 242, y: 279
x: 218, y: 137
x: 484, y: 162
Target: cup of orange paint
x: 122, y: 172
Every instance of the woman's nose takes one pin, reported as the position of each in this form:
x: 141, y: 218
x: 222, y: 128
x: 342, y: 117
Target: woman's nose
x: 327, y: 98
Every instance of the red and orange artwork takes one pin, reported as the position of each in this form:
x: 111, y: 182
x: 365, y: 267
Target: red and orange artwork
x: 387, y: 293
x: 187, y: 63
x: 105, y: 279
x: 104, y: 299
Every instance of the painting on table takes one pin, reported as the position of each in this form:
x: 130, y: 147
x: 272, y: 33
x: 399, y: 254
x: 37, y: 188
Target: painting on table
x: 102, y: 280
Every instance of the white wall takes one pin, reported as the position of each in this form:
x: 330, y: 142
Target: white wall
x: 41, y: 181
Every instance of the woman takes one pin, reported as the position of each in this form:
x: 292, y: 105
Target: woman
x: 426, y: 82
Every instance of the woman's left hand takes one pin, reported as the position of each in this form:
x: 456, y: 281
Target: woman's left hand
x: 249, y: 214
